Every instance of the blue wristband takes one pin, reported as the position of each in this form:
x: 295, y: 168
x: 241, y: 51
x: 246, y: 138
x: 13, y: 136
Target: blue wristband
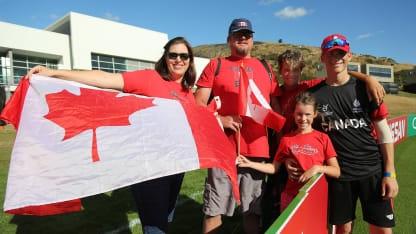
x: 388, y: 174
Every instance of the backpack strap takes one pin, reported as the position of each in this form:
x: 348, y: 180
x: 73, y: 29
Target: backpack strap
x: 211, y: 96
x: 218, y: 67
x: 266, y: 66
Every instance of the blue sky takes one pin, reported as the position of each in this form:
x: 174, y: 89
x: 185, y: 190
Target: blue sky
x: 375, y: 27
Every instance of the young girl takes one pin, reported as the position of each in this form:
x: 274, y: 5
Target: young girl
x: 310, y: 148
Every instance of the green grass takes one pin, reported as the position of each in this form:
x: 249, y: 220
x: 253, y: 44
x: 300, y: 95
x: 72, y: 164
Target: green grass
x: 114, y: 211
x: 406, y: 94
x: 405, y: 202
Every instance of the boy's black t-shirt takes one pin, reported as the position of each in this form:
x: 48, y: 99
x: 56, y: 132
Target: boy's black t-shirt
x: 346, y: 119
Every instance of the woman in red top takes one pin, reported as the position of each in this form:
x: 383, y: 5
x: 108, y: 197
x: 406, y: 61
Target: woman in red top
x: 172, y: 78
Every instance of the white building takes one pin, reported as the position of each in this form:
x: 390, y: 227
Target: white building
x: 383, y: 73
x: 79, y: 42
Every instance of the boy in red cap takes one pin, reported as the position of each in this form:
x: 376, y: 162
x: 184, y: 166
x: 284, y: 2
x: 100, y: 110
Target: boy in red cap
x: 367, y: 164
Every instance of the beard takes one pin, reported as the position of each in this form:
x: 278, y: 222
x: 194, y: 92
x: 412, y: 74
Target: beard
x: 242, y: 51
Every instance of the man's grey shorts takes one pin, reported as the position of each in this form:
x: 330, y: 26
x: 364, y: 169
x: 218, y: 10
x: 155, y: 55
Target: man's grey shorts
x: 218, y: 195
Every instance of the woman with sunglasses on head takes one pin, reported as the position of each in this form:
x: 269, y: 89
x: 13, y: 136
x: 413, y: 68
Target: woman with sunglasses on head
x: 172, y: 78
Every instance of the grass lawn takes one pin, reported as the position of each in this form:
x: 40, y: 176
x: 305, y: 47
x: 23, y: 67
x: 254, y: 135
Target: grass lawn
x: 400, y: 104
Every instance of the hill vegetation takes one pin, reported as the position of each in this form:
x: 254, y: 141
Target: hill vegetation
x: 270, y: 51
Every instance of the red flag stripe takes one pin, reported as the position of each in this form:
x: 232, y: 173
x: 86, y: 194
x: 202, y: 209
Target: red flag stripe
x: 242, y: 95
x: 213, y: 152
x: 271, y: 119
x: 50, y: 209
x: 12, y: 111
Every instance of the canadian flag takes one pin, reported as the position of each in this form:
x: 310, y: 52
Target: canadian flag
x: 75, y: 141
x: 251, y: 103
x: 242, y: 24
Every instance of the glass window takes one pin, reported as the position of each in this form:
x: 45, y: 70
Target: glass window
x: 118, y: 64
x: 119, y: 60
x: 53, y: 66
x: 105, y: 58
x: 132, y: 63
x: 22, y: 64
x: 133, y: 67
x: 30, y: 65
x: 107, y: 70
x: 106, y: 65
x: 4, y: 69
x: 380, y: 72
x: 3, y: 79
x: 19, y: 64
x: 16, y: 79
x: 19, y: 57
x: 37, y: 60
x: 352, y: 67
x: 19, y: 71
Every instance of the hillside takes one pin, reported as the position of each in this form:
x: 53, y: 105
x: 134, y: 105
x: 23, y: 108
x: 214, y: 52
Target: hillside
x: 402, y: 104
x: 270, y: 51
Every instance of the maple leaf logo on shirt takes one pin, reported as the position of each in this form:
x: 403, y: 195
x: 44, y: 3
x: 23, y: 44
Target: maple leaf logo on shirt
x: 90, y: 110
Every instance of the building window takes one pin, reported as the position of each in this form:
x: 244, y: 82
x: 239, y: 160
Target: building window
x: 117, y: 64
x: 23, y: 63
x: 353, y: 67
x: 4, y: 69
x: 380, y: 72
x: 3, y: 77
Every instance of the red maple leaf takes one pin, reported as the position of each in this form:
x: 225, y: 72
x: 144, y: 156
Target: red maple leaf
x: 254, y: 99
x: 90, y: 110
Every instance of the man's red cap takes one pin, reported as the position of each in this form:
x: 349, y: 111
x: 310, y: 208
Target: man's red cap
x: 345, y: 47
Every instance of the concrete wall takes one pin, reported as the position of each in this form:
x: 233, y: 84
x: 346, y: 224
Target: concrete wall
x: 200, y: 64
x: 35, y: 42
x: 94, y: 35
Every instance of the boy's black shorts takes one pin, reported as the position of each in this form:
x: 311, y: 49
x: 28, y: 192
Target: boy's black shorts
x: 343, y: 197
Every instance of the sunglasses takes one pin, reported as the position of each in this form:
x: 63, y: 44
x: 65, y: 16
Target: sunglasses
x: 246, y: 34
x: 335, y: 42
x: 173, y: 56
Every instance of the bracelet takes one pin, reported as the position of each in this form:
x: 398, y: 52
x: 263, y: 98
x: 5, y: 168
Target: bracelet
x: 389, y: 174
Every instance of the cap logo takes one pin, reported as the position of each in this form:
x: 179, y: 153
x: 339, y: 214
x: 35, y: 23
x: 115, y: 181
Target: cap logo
x: 242, y: 24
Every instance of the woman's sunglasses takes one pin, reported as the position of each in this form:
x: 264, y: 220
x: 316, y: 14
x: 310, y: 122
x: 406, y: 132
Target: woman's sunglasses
x: 173, y: 56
